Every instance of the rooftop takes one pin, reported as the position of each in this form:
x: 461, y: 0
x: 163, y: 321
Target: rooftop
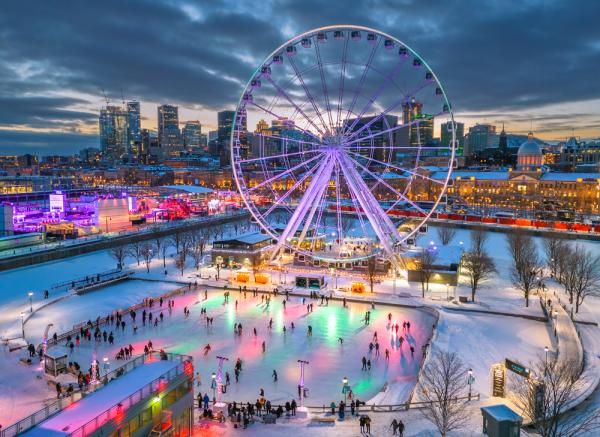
x: 253, y: 238
x: 88, y: 408
x: 502, y: 413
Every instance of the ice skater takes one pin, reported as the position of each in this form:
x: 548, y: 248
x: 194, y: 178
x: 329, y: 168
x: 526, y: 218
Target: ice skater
x: 207, y: 349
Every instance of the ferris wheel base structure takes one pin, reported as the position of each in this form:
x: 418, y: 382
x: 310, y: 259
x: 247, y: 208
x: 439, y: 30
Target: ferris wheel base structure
x: 332, y: 95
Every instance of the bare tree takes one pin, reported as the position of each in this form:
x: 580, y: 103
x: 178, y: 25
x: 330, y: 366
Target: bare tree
x: 180, y: 262
x: 118, y: 253
x: 424, y: 262
x: 147, y: 252
x: 525, y: 267
x: 441, y: 384
x: 446, y: 234
x: 587, y: 277
x: 176, y: 239
x: 545, y: 396
x: 371, y: 271
x: 166, y: 243
x: 477, y: 264
x: 552, y: 251
x: 135, y: 250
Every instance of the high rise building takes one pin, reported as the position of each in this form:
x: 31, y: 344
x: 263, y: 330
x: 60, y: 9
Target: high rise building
x: 381, y: 142
x: 134, y: 132
x: 225, y: 120
x: 421, y: 128
x: 480, y: 137
x: 169, y: 135
x: 192, y: 133
x: 446, y: 130
x: 113, y: 122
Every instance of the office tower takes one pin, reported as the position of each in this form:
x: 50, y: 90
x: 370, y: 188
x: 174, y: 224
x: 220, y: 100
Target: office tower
x: 113, y: 122
x: 222, y: 148
x: 169, y: 135
x: 134, y: 133
x: 192, y: 133
x: 480, y: 137
x: 446, y: 130
x: 421, y: 125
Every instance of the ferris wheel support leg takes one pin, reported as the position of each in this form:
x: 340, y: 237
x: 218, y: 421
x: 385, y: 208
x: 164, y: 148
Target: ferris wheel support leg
x: 313, y: 192
x: 384, y: 229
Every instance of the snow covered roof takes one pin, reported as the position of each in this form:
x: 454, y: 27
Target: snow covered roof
x: 194, y: 189
x: 253, y: 238
x: 502, y: 413
x: 483, y: 175
x: 569, y: 177
x: 88, y: 408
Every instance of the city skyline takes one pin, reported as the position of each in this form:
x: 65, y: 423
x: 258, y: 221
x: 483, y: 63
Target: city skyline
x: 522, y: 64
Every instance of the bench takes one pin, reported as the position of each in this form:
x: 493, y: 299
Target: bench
x: 326, y: 419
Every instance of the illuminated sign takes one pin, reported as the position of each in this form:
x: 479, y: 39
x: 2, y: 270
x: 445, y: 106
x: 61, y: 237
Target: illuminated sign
x: 517, y: 368
x: 57, y: 202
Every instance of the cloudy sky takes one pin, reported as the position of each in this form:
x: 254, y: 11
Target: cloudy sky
x: 523, y: 62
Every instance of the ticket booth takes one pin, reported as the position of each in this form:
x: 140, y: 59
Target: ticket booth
x: 501, y: 421
x: 262, y: 278
x: 55, y: 361
x: 242, y: 276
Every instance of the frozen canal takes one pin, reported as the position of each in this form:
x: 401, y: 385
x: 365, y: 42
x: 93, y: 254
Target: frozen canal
x: 330, y: 360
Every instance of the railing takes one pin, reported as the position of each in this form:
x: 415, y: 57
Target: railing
x: 60, y: 404
x: 374, y: 408
x: 88, y: 279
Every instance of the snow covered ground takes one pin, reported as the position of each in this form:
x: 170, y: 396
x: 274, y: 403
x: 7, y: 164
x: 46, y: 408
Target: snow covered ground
x: 480, y: 339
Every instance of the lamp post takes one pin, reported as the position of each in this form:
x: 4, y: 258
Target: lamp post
x: 470, y: 381
x: 106, y: 365
x: 23, y: 324
x: 546, y: 360
x: 30, y: 294
x: 447, y: 292
x: 345, y: 388
x: 301, y: 383
x: 213, y: 384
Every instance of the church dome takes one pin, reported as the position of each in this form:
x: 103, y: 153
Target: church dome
x: 530, y: 147
x: 530, y: 157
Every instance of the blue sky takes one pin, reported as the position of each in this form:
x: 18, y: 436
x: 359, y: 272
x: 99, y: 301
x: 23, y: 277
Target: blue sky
x: 521, y: 62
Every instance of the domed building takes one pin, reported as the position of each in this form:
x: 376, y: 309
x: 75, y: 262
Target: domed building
x: 530, y: 156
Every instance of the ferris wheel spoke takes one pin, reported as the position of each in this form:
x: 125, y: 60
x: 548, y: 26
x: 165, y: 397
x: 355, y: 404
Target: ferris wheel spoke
x: 342, y: 80
x: 306, y: 90
x: 388, y: 186
x: 378, y: 92
x: 284, y: 197
x: 392, y: 129
x: 269, y: 157
x: 390, y: 108
x: 275, y: 137
x: 361, y: 83
x: 323, y: 84
x: 280, y: 117
x: 283, y: 173
x: 359, y: 213
x: 291, y: 102
x: 387, y: 164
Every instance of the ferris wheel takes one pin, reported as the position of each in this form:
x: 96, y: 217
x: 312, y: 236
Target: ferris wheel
x: 344, y: 120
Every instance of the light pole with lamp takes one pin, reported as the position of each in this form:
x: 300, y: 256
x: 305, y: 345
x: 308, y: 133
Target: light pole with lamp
x: 30, y: 294
x: 470, y: 381
x: 213, y: 384
x: 447, y: 292
x: 546, y: 349
x: 23, y: 324
x: 345, y: 388
x: 106, y: 365
x: 302, y: 412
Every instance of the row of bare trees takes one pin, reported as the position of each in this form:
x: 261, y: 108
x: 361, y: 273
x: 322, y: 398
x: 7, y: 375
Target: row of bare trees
x: 192, y: 243
x: 574, y: 267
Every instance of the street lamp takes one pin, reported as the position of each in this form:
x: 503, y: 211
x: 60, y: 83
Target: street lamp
x: 106, y: 365
x: 471, y: 380
x: 447, y: 294
x: 345, y: 388
x: 23, y: 324
x: 301, y: 384
x: 30, y: 294
x: 213, y: 384
x: 546, y: 360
